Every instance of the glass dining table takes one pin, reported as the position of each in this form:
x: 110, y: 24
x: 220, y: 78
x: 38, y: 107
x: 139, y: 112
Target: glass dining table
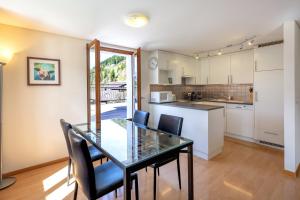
x: 133, y: 147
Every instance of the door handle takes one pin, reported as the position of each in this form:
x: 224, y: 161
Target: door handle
x: 255, y: 65
x: 228, y: 79
x: 256, y: 96
x: 231, y: 79
x: 270, y: 133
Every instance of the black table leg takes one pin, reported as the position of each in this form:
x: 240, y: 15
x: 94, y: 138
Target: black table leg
x: 126, y: 184
x: 190, y: 173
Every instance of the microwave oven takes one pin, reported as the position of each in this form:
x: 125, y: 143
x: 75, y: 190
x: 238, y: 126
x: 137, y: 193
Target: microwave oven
x: 161, y: 97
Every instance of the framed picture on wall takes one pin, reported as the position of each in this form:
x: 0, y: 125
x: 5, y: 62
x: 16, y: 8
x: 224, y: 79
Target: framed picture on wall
x: 43, y: 71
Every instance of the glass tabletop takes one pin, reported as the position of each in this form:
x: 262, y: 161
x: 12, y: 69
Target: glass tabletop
x: 127, y: 143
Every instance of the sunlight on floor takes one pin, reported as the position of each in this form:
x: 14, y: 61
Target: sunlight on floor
x: 61, y: 192
x: 166, y: 191
x: 238, y: 189
x: 55, y: 178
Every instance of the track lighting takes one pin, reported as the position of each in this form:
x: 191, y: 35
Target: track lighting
x: 233, y: 47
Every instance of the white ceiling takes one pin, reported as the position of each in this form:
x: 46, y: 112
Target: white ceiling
x: 184, y: 26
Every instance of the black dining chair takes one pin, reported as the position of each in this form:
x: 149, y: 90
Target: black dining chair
x: 94, y: 152
x: 173, y: 125
x: 141, y: 117
x: 98, y: 181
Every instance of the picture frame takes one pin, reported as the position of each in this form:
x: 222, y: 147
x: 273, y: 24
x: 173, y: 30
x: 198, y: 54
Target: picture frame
x: 43, y: 71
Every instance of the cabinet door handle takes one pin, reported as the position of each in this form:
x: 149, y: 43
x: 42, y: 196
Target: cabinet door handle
x: 231, y: 78
x: 228, y: 79
x: 207, y: 80
x: 256, y: 96
x: 255, y: 65
x: 270, y: 133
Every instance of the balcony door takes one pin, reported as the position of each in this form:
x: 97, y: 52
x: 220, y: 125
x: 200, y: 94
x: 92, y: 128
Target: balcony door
x: 113, y: 80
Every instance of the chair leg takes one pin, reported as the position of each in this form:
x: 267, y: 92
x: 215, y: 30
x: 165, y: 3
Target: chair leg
x: 69, y: 170
x: 178, y: 170
x: 154, y: 184
x: 75, y: 191
x: 146, y: 169
x: 158, y: 171
x: 116, y: 193
x: 136, y: 187
x: 101, y: 161
x: 106, y: 159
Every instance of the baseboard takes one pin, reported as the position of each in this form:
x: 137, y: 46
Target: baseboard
x: 252, y: 144
x: 12, y: 173
x: 292, y: 174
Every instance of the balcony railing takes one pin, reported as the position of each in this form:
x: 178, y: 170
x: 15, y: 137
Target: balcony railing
x: 110, y: 92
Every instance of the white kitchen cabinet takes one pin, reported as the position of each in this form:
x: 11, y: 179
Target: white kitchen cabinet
x: 268, y: 58
x: 217, y: 104
x: 204, y: 71
x: 175, y: 73
x: 219, y: 70
x: 163, y: 60
x: 240, y: 120
x: 241, y: 67
x: 268, y: 102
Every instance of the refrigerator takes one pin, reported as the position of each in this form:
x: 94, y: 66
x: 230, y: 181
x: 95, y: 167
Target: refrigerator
x: 269, y: 107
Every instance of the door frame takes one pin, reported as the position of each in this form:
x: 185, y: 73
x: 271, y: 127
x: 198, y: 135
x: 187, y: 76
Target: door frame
x: 95, y: 43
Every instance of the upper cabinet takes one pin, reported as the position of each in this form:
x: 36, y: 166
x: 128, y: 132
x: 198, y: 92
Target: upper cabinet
x: 172, y: 67
x: 219, y: 69
x: 268, y: 58
x: 242, y: 67
x: 203, y: 76
x: 163, y: 60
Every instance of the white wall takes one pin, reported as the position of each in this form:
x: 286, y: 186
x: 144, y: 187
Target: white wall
x: 297, y: 91
x: 146, y: 77
x: 31, y: 129
x: 291, y: 96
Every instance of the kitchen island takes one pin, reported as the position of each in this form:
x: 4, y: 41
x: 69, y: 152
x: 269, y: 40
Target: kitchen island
x: 204, y: 124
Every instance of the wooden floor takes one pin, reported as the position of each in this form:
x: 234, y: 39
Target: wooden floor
x: 241, y: 172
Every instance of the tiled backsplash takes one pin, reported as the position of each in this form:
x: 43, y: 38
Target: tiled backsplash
x: 236, y: 91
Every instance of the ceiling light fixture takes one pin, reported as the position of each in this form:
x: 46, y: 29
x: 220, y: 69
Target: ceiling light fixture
x: 136, y: 20
x: 250, y: 43
x: 232, y: 47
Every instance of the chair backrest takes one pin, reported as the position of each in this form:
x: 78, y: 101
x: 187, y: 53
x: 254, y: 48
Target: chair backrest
x: 66, y: 127
x: 82, y: 163
x: 170, y: 124
x: 141, y: 117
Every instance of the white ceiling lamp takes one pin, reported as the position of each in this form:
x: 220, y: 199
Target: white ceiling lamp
x: 219, y: 52
x: 250, y: 43
x: 136, y: 20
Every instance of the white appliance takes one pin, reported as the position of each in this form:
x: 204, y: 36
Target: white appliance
x: 240, y: 120
x: 161, y: 97
x: 268, y: 102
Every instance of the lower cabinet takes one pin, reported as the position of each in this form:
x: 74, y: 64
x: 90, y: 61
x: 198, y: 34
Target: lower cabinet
x: 240, y: 120
x: 217, y: 104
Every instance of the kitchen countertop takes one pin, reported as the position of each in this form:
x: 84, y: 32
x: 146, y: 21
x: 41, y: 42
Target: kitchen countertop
x: 189, y: 105
x: 218, y: 101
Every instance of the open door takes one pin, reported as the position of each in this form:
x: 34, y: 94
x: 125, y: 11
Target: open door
x: 93, y: 84
x: 139, y: 78
x: 113, y: 83
x: 136, y: 80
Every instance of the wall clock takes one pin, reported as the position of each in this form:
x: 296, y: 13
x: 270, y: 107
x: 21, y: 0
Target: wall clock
x: 153, y: 63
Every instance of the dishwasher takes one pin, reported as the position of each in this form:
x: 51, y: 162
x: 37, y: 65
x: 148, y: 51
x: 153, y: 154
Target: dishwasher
x: 240, y: 120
